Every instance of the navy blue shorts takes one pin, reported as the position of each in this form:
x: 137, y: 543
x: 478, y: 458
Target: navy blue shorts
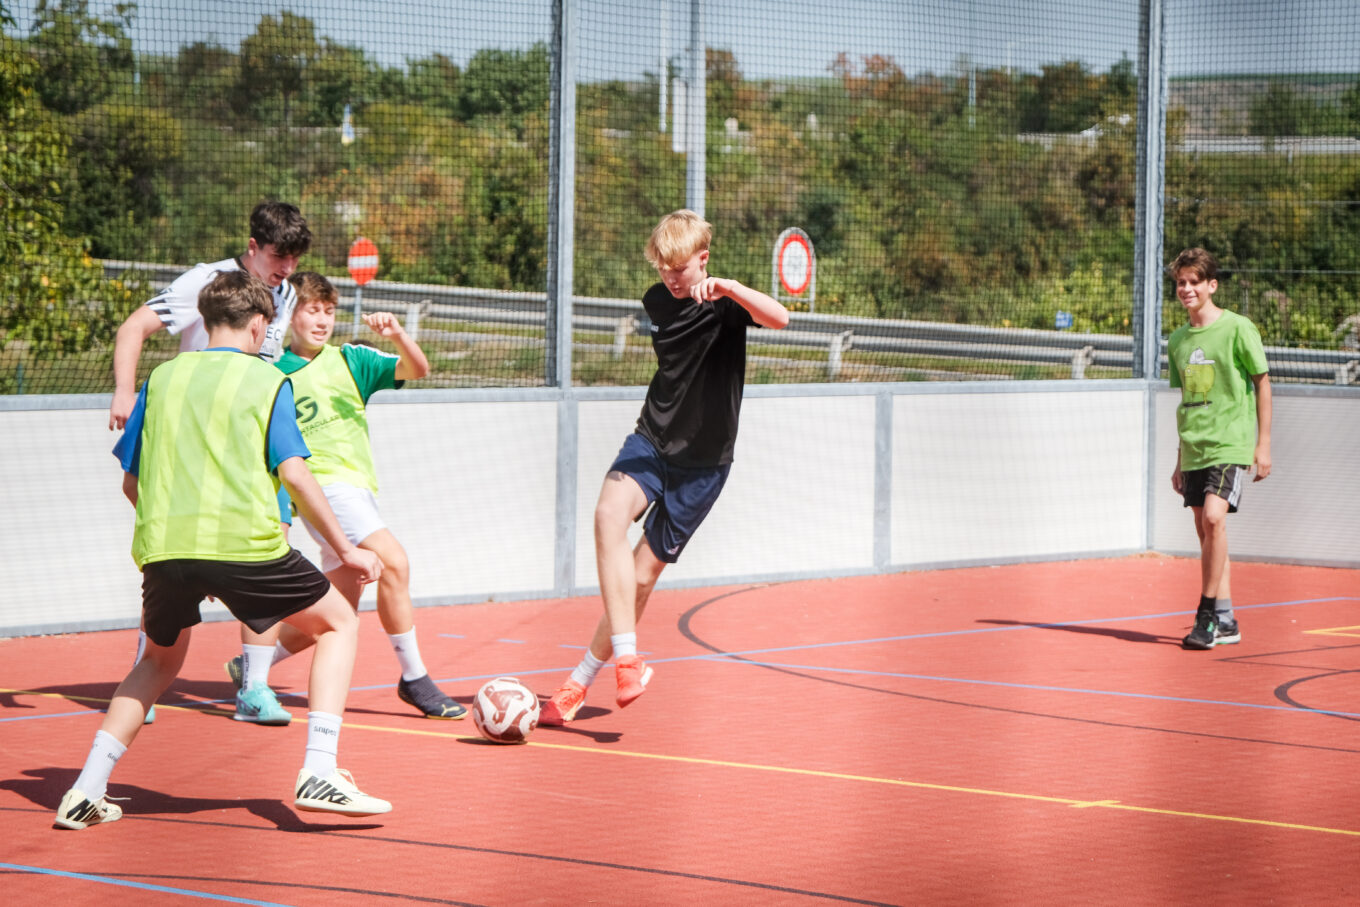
x: 680, y: 497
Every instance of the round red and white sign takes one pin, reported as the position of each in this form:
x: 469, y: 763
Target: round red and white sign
x: 795, y: 263
x: 363, y: 261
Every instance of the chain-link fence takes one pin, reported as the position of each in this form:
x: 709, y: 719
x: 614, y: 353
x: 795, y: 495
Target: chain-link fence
x: 963, y: 175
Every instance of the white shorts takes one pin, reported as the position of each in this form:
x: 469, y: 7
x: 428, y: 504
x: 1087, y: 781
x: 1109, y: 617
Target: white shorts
x: 356, y: 509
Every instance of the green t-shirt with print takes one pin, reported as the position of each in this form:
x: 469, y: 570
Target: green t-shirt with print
x: 1213, y: 366
x: 330, y: 392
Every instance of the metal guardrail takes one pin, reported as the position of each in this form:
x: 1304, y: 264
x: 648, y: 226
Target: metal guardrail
x: 836, y: 334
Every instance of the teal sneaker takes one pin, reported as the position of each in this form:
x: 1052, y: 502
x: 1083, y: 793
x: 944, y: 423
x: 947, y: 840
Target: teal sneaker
x: 260, y: 706
x: 150, y: 715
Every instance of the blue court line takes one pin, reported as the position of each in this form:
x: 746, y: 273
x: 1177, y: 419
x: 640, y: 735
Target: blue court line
x: 1044, y: 688
x: 141, y: 886
x: 1012, y: 627
x: 718, y: 656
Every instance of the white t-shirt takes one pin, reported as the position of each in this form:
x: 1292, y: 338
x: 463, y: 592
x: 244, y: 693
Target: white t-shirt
x: 177, y: 307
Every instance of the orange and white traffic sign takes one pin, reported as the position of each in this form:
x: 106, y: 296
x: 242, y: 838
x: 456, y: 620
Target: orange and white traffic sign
x: 363, y: 261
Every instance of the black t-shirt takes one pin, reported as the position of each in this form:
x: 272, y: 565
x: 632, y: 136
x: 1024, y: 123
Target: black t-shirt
x: 693, y: 402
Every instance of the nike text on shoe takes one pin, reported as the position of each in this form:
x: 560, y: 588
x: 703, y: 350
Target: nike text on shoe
x: 632, y: 676
x: 79, y: 811
x: 259, y: 705
x: 563, y: 705
x: 1202, y: 636
x: 336, y: 794
x: 424, y: 695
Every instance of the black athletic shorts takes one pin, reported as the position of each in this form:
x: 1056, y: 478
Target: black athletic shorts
x: 1224, y: 481
x: 258, y: 593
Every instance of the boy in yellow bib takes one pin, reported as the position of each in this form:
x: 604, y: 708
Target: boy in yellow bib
x: 206, y: 445
x: 331, y: 388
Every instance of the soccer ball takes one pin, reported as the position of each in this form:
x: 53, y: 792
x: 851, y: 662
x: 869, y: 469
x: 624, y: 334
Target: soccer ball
x: 505, y: 710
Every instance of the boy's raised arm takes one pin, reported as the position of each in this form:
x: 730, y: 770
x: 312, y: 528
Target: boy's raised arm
x: 766, y: 311
x: 413, y: 363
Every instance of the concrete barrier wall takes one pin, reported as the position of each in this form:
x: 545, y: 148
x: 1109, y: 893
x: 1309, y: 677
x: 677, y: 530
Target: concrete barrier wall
x: 828, y: 480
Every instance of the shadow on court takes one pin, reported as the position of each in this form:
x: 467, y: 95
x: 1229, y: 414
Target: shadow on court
x: 204, y: 695
x: 1089, y: 630
x: 44, y: 787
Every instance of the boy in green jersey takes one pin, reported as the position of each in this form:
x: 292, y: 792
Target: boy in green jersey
x: 205, y: 447
x: 1219, y: 364
x: 331, y: 388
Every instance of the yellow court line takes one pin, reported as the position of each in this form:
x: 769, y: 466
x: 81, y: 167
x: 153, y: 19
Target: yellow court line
x: 808, y: 772
x: 919, y: 785
x: 1336, y: 631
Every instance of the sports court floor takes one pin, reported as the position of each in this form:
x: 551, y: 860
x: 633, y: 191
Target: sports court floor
x: 1028, y: 734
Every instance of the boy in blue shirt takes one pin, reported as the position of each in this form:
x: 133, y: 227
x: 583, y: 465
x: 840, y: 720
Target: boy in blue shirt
x: 206, y: 445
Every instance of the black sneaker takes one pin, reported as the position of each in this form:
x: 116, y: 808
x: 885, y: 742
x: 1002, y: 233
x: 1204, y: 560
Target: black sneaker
x: 424, y: 695
x: 1203, y: 636
x: 1226, y: 633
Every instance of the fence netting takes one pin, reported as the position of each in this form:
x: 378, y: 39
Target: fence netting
x: 1263, y: 170
x: 962, y: 175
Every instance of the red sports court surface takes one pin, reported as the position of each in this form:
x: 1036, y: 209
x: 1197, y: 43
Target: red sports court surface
x: 1029, y: 734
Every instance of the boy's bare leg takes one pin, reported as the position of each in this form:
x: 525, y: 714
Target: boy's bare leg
x: 147, y: 680
x: 321, y: 787
x: 334, y: 627
x: 395, y: 610
x: 1212, y: 526
x: 647, y: 568
x: 621, y: 501
x: 85, y: 803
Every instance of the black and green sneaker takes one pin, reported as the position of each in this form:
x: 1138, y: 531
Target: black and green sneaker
x: 1203, y: 635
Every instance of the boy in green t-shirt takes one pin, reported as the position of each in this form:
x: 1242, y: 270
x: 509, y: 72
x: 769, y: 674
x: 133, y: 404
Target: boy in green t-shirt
x: 331, y: 389
x: 1224, y: 425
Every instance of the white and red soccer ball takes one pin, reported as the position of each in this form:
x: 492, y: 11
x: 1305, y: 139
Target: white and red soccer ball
x: 505, y: 710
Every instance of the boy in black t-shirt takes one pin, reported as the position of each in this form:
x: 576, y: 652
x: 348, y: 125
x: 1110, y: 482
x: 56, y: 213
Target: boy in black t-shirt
x: 680, y: 454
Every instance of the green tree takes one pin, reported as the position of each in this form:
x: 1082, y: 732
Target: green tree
x: 509, y: 82
x: 82, y: 57
x: 1064, y: 98
x: 273, y: 62
x: 53, y: 298
x: 204, y: 78
x: 118, y: 151
x: 338, y: 76
x: 434, y: 81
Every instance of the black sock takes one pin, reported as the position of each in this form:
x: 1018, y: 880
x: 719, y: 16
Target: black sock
x: 1206, y: 603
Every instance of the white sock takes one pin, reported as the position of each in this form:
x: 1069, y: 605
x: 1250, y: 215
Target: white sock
x: 104, y: 755
x: 280, y: 653
x: 255, y: 661
x: 625, y: 644
x: 141, y: 646
x: 323, y: 743
x: 408, y: 654
x: 585, y: 672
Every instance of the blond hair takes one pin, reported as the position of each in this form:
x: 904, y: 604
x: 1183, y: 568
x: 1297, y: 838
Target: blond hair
x: 677, y: 237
